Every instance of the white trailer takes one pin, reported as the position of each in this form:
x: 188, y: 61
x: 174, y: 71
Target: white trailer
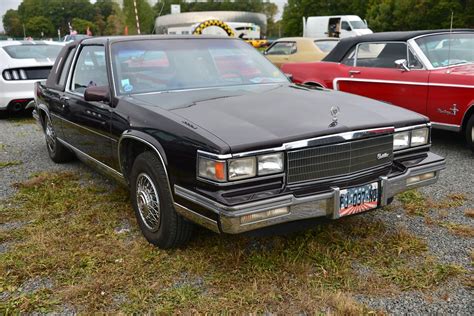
x: 334, y: 26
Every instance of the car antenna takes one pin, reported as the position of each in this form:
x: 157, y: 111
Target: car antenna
x: 449, y: 41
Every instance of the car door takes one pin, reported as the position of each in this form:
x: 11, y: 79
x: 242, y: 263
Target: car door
x: 86, y: 124
x: 280, y: 52
x: 371, y: 71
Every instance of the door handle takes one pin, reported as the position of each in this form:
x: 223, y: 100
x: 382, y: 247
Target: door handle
x: 354, y: 72
x: 64, y: 101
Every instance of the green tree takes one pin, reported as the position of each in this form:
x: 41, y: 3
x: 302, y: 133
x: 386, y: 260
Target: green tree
x: 81, y: 25
x: 146, y: 16
x: 12, y: 23
x: 40, y: 26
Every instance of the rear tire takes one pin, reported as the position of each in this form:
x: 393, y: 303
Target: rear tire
x: 153, y: 204
x: 57, y: 151
x: 470, y: 132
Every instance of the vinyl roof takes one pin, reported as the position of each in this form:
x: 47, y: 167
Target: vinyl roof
x: 345, y: 44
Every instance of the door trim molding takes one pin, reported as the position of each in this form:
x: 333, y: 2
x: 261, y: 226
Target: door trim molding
x: 335, y: 83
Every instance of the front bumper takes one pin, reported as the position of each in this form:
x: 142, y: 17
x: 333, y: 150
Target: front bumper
x: 230, y: 218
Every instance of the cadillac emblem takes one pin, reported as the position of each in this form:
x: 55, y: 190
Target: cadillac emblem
x: 335, y: 110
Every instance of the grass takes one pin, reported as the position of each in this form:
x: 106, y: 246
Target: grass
x: 415, y: 203
x: 71, y: 238
x: 469, y: 213
x: 5, y: 164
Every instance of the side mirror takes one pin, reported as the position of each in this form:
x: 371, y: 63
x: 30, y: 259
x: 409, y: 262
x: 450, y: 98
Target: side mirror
x: 402, y: 64
x: 97, y: 94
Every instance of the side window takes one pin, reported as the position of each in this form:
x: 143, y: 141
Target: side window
x: 325, y: 46
x: 90, y: 69
x: 380, y: 55
x: 282, y: 48
x: 413, y: 61
x: 65, y: 68
x: 345, y: 26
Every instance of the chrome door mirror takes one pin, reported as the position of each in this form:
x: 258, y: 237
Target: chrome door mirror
x: 402, y: 64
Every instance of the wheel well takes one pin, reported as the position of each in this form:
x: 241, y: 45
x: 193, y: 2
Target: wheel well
x: 468, y: 114
x: 313, y: 84
x: 129, y: 151
x: 42, y: 115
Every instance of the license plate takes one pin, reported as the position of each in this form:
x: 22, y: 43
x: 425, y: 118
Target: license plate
x: 358, y: 199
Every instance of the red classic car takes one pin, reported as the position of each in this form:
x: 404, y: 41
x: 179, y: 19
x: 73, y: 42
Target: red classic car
x: 429, y: 72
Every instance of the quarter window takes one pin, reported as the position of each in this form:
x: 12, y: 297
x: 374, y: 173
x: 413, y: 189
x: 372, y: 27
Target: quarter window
x: 90, y: 69
x: 282, y: 48
x: 65, y: 68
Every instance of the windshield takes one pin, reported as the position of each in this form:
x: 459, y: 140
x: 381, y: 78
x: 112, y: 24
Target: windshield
x: 33, y: 51
x: 163, y: 65
x: 448, y: 49
x: 358, y: 25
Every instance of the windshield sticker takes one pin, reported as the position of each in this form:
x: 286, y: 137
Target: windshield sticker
x: 125, y: 82
x: 127, y: 88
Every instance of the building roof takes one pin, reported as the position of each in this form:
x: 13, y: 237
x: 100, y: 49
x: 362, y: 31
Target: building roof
x: 190, y: 18
x: 345, y: 44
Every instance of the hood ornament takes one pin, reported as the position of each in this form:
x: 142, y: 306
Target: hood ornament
x: 335, y: 110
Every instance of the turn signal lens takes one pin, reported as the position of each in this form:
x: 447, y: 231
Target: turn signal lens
x: 419, y: 178
x: 212, y: 169
x: 251, y: 218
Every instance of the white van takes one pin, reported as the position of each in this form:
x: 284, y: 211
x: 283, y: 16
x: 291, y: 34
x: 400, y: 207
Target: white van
x: 334, y: 26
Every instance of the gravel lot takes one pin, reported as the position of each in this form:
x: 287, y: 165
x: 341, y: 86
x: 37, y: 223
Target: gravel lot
x: 22, y: 144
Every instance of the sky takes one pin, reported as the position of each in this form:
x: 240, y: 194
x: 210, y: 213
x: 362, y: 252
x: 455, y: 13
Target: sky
x: 13, y: 4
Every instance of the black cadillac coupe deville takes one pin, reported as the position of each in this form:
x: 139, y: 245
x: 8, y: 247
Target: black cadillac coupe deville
x: 205, y: 130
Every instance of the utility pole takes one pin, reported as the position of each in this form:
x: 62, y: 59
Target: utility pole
x: 136, y: 16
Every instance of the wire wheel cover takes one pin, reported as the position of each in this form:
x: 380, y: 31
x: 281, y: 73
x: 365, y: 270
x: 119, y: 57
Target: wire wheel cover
x: 148, y: 202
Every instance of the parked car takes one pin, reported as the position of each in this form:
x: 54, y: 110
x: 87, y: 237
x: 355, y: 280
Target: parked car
x: 430, y: 72
x: 214, y: 134
x: 340, y: 26
x: 299, y: 49
x: 74, y: 37
x: 21, y: 64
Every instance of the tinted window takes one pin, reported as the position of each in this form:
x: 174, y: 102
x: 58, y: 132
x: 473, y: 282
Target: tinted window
x: 325, y: 46
x: 345, y: 26
x: 163, y: 65
x: 25, y: 51
x: 349, y: 58
x: 380, y: 55
x: 282, y: 48
x: 65, y: 68
x: 90, y: 69
x: 358, y: 25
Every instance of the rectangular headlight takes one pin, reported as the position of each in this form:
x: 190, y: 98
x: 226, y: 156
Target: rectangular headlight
x: 269, y: 164
x: 401, y: 140
x: 242, y: 168
x: 419, y: 136
x: 212, y: 169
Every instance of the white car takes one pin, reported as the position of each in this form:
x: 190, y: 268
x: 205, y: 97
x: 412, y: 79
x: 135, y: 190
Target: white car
x: 22, y: 63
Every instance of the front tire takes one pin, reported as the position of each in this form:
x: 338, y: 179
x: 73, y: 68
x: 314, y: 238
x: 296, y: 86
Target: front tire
x: 470, y: 132
x: 57, y: 151
x: 153, y: 204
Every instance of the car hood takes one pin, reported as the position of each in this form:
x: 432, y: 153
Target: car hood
x: 247, y: 118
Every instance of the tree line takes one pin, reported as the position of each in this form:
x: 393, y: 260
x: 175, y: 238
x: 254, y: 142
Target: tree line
x: 43, y: 18
x: 384, y: 15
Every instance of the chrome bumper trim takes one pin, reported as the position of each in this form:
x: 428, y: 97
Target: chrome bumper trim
x: 318, y: 205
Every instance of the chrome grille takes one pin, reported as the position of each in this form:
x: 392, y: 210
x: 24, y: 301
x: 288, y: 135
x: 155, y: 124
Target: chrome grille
x: 339, y: 159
